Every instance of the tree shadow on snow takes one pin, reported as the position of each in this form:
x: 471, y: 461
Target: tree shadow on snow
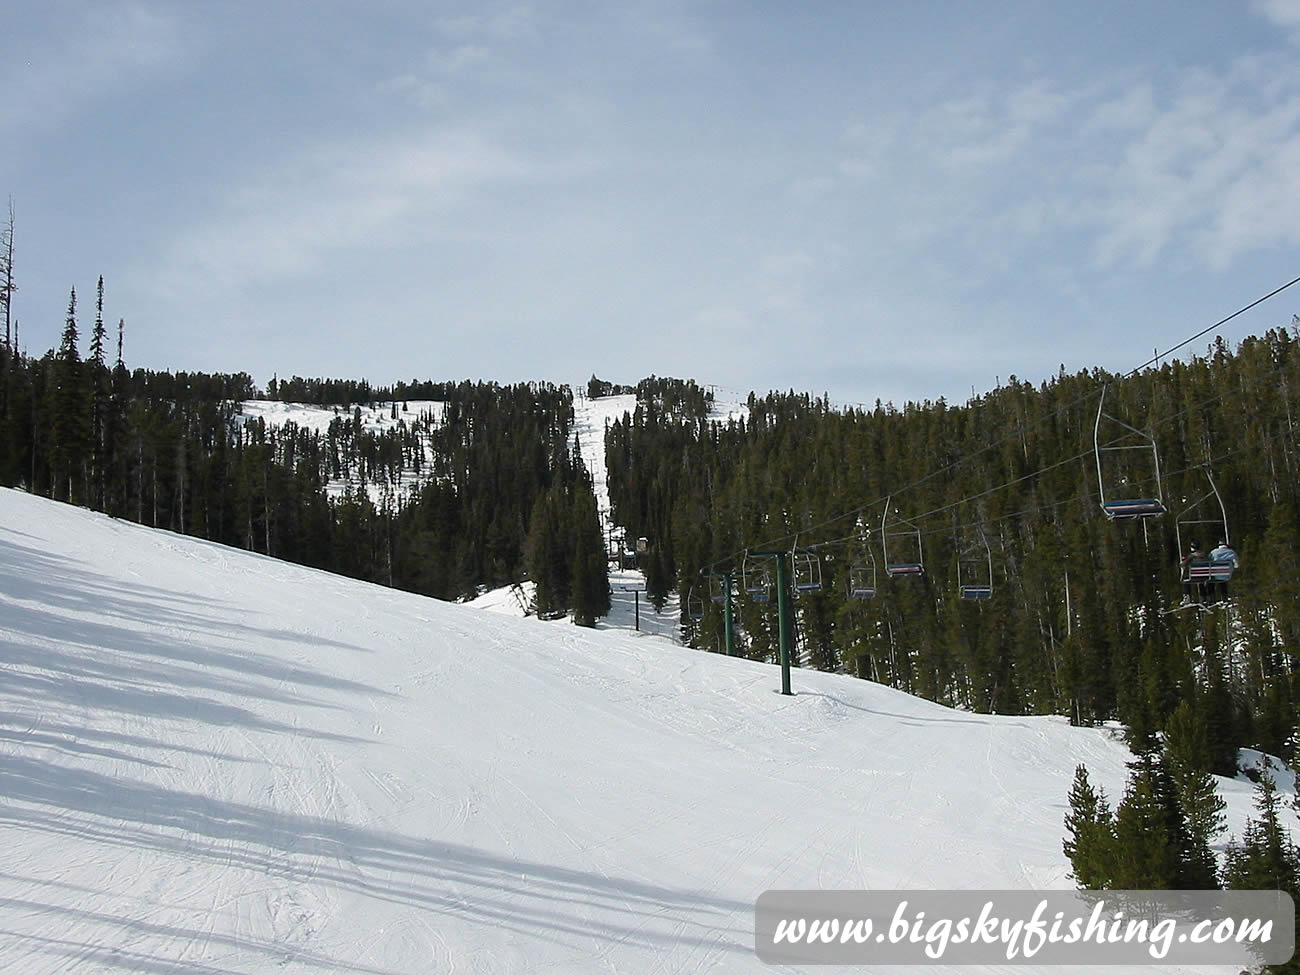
x: 32, y: 575
x: 74, y: 643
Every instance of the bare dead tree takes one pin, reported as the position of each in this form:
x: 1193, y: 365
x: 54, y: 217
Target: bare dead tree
x: 7, y: 286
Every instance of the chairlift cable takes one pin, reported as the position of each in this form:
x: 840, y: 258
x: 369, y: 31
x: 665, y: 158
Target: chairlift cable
x: 1210, y: 328
x: 1019, y: 431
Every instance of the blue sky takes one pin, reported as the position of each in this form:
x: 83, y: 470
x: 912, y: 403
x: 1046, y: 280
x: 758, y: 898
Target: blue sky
x: 872, y: 200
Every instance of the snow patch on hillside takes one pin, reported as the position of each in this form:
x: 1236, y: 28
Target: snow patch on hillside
x: 375, y: 418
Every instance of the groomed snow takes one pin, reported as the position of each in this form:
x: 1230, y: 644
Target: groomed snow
x: 214, y: 762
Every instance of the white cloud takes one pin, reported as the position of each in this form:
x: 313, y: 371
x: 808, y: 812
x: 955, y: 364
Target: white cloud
x: 349, y: 195
x: 1132, y: 109
x: 463, y: 47
x: 1207, y: 173
x: 422, y: 92
x: 1284, y: 13
x: 974, y: 130
x: 1200, y: 166
x: 505, y: 23
x: 1038, y: 103
x: 1258, y: 211
x: 459, y: 58
x: 784, y: 282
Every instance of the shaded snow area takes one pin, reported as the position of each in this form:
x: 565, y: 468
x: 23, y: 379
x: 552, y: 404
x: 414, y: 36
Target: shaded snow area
x: 215, y: 762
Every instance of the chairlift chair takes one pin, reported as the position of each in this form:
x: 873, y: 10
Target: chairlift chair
x: 1214, y: 519
x: 758, y: 579
x: 807, y: 571
x: 862, y: 576
x: 694, y: 605
x: 975, y: 571
x: 1126, y: 505
x: 907, y: 542
x: 717, y: 587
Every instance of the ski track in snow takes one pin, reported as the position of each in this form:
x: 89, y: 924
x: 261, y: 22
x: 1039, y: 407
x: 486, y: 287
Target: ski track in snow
x: 213, y: 762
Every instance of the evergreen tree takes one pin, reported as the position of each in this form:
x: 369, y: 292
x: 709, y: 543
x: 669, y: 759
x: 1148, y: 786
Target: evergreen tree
x: 1279, y: 569
x: 1223, y: 726
x: 590, y: 570
x: 1201, y: 807
x: 1266, y: 859
x: 100, y: 385
x: 69, y: 412
x: 1091, y: 841
x: 97, y: 352
x: 546, y: 556
x: 1147, y: 854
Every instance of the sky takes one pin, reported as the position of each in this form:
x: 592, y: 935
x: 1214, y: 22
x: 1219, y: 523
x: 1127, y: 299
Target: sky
x: 867, y: 200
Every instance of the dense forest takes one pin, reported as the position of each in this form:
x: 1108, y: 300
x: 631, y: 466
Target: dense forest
x: 1079, y: 622
x: 504, y: 495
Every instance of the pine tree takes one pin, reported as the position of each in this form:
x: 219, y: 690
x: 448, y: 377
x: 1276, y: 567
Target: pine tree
x: 590, y: 570
x: 69, y: 411
x: 100, y: 333
x: 1266, y: 859
x: 100, y: 383
x: 1201, y: 807
x: 1278, y: 570
x: 1220, y: 711
x: 1091, y: 843
x: 545, y: 556
x: 117, y: 435
x: 1147, y: 850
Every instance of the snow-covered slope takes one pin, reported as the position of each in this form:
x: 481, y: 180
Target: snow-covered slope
x: 590, y: 419
x: 629, y: 609
x: 214, y: 762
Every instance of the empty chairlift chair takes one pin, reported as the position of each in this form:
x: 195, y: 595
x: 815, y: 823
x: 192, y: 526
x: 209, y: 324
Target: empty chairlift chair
x: 862, y: 577
x: 1119, y: 499
x: 695, y: 604
x: 975, y: 571
x: 807, y: 571
x: 901, y: 541
x: 757, y: 574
